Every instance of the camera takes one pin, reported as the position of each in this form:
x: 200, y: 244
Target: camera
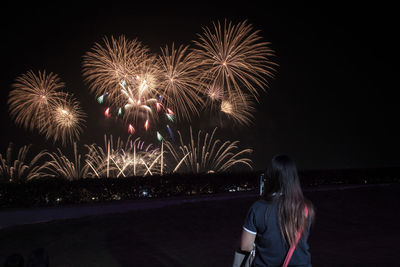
x: 261, y: 184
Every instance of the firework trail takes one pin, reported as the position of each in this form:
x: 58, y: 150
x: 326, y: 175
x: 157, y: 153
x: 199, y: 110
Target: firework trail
x: 234, y: 59
x: 139, y: 163
x: 179, y: 81
x: 31, y: 98
x: 207, y: 155
x: 64, y: 121
x: 19, y: 170
x: 61, y: 166
x: 123, y: 160
x: 144, y: 159
x: 100, y: 160
x: 171, y: 133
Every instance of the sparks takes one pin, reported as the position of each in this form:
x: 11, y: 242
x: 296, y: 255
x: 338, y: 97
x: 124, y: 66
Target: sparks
x: 158, y: 106
x: 170, y: 117
x: 131, y: 130
x: 170, y: 111
x: 171, y: 133
x: 107, y: 112
x: 159, y: 137
x: 100, y: 99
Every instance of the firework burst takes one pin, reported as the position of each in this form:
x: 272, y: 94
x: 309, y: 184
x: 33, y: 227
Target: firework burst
x: 239, y: 109
x: 65, y: 120
x: 31, y: 98
x: 234, y: 58
x: 127, y: 73
x: 137, y: 107
x: 179, y: 83
x: 214, y: 93
x: 108, y: 65
x: 207, y: 155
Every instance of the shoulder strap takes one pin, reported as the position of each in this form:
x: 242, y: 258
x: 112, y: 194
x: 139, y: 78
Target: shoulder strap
x: 293, y: 246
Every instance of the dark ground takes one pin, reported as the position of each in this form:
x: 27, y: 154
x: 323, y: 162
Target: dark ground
x: 354, y: 227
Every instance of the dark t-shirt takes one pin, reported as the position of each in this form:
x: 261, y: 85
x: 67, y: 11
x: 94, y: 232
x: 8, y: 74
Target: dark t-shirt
x: 271, y: 248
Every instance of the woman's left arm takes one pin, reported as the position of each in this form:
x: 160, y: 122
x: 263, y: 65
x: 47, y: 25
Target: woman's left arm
x: 247, y: 241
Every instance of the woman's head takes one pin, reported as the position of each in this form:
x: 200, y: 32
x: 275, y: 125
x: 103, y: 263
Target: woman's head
x: 282, y: 177
x: 282, y: 184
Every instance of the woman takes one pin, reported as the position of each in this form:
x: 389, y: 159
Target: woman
x: 273, y: 222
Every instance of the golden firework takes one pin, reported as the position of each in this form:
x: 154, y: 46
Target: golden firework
x: 122, y: 161
x: 139, y: 96
x: 234, y: 58
x: 207, y: 155
x: 239, y: 109
x: 64, y: 121
x: 100, y: 159
x: 19, y: 170
x: 179, y: 81
x: 214, y: 93
x: 114, y: 62
x: 31, y: 98
x: 61, y: 166
x: 126, y: 72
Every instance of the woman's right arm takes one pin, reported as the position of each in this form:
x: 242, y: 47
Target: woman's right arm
x: 247, y: 241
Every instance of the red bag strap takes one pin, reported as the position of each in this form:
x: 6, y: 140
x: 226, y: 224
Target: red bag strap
x: 293, y: 246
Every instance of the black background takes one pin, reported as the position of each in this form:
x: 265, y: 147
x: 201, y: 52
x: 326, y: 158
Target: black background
x: 332, y: 104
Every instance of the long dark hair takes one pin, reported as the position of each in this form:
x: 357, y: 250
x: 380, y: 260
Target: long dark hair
x: 282, y: 184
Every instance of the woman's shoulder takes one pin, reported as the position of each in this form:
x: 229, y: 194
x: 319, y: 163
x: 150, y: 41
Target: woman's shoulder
x: 260, y: 204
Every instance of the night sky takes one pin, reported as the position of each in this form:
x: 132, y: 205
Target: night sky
x: 333, y: 103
